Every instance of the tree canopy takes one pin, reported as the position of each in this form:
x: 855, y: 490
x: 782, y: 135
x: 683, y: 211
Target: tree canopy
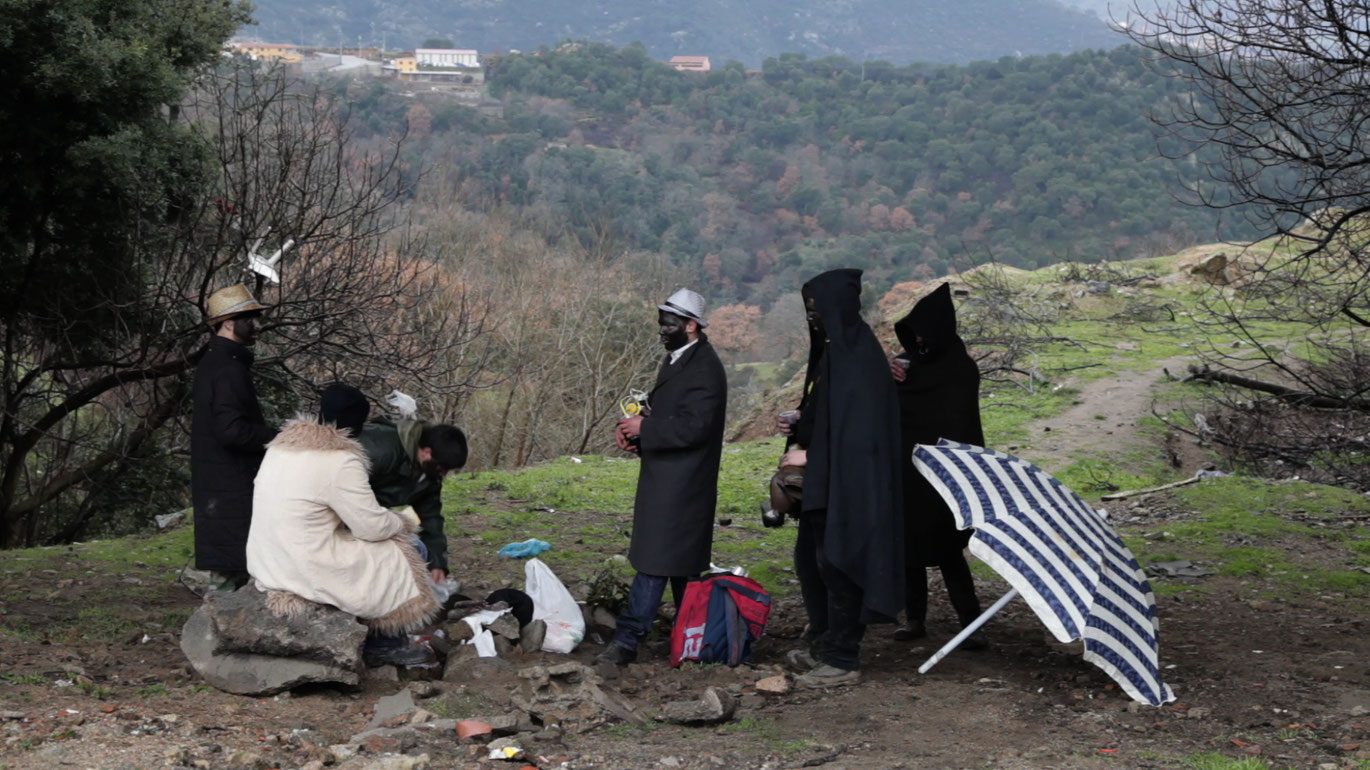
x: 751, y: 180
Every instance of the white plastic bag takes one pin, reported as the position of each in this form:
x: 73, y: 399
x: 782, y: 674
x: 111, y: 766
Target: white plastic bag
x: 555, y: 606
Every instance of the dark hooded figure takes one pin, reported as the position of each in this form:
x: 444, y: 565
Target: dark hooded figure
x: 939, y: 397
x: 849, y: 549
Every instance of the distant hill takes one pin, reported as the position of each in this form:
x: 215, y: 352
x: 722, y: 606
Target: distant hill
x: 899, y: 31
x: 752, y: 181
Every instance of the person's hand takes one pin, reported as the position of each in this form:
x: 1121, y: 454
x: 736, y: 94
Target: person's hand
x: 899, y: 369
x: 786, y: 427
x: 629, y: 428
x: 621, y: 440
x: 796, y: 457
x: 439, y: 575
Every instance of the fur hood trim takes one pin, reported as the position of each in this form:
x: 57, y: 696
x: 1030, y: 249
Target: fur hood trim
x: 306, y: 434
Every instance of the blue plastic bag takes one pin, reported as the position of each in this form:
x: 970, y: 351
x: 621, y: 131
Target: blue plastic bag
x: 530, y: 547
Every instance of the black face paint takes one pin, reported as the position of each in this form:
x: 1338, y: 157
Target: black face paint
x: 672, y: 330
x: 811, y: 315
x: 246, y: 328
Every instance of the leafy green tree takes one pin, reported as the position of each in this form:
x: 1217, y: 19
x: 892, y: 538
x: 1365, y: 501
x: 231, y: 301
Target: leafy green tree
x: 94, y: 172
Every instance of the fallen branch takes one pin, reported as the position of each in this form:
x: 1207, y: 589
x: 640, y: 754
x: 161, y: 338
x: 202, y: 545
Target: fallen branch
x: 1134, y: 492
x: 1282, y: 392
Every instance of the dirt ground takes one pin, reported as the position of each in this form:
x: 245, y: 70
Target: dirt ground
x: 1284, y: 679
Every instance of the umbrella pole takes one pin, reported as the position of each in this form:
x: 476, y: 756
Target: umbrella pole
x: 967, y: 631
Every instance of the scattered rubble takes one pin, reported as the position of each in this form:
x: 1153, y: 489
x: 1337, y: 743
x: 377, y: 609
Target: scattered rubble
x: 715, y: 707
x: 569, y: 694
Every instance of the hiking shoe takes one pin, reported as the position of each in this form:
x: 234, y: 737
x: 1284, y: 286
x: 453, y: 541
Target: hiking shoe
x: 827, y: 676
x: 403, y: 657
x: 801, y: 659
x: 616, y: 654
x: 910, y: 631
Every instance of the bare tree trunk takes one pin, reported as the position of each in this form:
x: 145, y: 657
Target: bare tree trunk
x: 1283, y: 393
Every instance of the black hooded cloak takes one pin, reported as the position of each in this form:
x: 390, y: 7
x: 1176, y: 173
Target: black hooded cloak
x: 853, y: 453
x: 940, y: 398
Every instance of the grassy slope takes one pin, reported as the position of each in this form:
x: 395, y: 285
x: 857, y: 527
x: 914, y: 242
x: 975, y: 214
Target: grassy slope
x: 1289, y: 536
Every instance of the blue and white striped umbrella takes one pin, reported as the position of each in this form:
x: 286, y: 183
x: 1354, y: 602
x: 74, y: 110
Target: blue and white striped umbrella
x: 1058, y: 553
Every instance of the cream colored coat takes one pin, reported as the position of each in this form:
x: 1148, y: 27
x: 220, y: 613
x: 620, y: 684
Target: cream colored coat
x: 319, y: 535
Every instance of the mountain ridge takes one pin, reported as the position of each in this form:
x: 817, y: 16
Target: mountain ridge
x: 922, y: 30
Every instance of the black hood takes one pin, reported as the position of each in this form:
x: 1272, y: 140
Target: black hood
x: 928, y: 332
x: 837, y: 298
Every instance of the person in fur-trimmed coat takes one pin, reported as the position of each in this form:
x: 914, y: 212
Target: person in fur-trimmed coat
x: 319, y: 535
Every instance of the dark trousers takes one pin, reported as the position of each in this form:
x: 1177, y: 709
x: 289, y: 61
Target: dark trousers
x: 644, y: 597
x: 832, y: 600
x: 960, y: 589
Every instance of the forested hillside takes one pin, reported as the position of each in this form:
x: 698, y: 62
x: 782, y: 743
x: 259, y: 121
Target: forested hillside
x: 754, y: 181
x: 746, y: 30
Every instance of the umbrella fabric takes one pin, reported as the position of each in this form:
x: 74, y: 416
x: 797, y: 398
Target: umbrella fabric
x: 1061, y: 555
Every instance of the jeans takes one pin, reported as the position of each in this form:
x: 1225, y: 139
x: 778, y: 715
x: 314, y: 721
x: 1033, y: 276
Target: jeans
x: 644, y: 596
x: 831, y: 599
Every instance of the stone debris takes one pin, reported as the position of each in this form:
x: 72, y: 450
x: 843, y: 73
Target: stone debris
x: 715, y: 707
x: 420, y: 762
x: 341, y: 752
x: 465, y: 666
x: 391, y: 708
x: 773, y: 685
x: 425, y: 689
x: 166, y: 521
x: 532, y: 635
x: 570, y: 695
x: 382, y: 674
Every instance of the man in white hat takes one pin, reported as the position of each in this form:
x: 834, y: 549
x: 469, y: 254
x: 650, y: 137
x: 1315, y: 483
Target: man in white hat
x: 228, y: 436
x: 680, y: 441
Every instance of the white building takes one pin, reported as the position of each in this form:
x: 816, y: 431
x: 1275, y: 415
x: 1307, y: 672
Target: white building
x: 443, y: 58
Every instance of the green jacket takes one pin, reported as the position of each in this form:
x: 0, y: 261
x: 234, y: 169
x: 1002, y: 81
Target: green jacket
x: 397, y: 480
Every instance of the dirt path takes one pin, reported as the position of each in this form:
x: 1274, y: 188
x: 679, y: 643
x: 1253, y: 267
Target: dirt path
x: 1103, y: 421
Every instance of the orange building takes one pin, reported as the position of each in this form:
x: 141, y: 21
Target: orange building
x: 286, y: 52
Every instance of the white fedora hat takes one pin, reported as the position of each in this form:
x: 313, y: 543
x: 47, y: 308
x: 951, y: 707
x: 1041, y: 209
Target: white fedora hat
x: 686, y: 304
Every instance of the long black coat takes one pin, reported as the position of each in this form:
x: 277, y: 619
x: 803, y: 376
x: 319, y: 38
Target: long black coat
x: 228, y: 437
x: 677, y: 485
x: 853, y: 463
x: 939, y: 398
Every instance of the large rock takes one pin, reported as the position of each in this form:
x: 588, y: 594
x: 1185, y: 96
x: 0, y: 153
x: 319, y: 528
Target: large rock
x: 236, y: 644
x: 318, y: 632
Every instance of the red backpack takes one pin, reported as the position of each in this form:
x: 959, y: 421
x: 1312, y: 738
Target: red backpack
x: 719, y: 619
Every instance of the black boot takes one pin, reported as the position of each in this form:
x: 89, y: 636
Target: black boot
x: 913, y: 629
x: 976, y: 641
x: 402, y: 657
x: 616, y: 654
